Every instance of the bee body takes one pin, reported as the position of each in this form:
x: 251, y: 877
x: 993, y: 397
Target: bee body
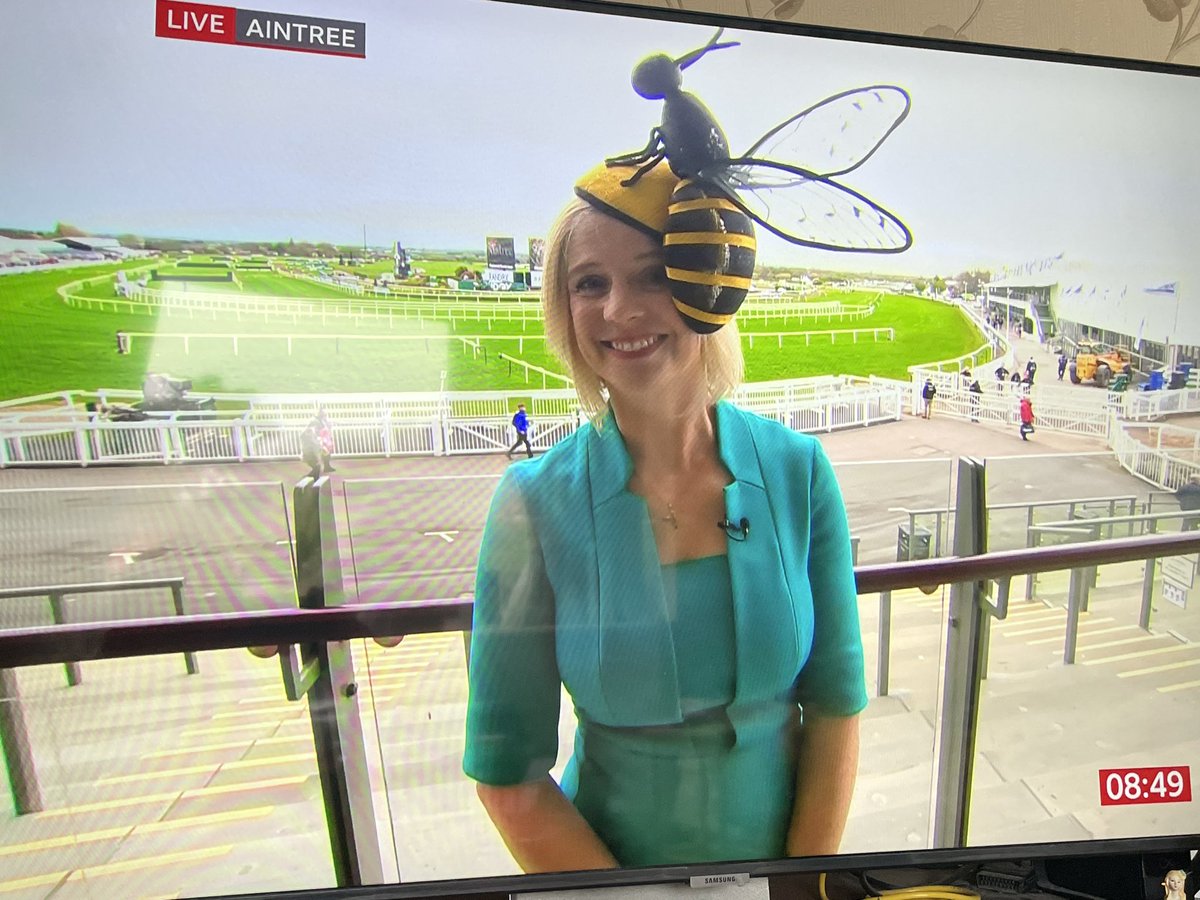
x: 710, y: 249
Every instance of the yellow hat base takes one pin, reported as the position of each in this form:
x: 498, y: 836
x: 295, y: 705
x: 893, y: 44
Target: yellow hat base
x: 642, y: 205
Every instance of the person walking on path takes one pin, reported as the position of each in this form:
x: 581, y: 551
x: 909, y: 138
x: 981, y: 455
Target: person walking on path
x: 521, y: 423
x: 976, y: 394
x: 1188, y: 496
x: 1026, y: 418
x: 928, y: 392
x: 1062, y: 364
x: 1030, y: 370
x: 325, y: 438
x: 310, y: 449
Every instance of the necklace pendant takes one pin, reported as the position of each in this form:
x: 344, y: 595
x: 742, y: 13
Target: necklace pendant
x: 670, y: 517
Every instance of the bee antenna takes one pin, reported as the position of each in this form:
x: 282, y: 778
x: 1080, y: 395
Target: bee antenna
x: 694, y: 56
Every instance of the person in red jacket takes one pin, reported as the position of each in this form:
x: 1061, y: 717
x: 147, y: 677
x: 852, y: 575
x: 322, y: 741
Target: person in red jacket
x: 1026, y: 418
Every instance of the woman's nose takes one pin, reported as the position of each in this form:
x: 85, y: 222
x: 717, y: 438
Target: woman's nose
x: 624, y: 303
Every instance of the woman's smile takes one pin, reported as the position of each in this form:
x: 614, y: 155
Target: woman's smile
x: 625, y: 323
x: 634, y: 348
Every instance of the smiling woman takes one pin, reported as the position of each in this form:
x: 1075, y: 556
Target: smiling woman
x: 584, y: 252
x: 682, y: 567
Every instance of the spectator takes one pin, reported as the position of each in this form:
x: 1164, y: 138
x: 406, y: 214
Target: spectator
x: 520, y: 422
x: 310, y: 449
x: 1026, y: 417
x: 325, y: 437
x: 1189, y: 498
x: 928, y: 392
x: 976, y: 393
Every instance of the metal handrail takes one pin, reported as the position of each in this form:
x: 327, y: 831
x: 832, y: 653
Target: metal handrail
x: 56, y: 593
x: 150, y: 637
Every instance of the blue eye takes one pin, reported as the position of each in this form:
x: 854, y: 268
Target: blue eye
x: 590, y: 284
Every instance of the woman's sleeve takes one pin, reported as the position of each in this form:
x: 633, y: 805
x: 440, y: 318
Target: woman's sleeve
x: 831, y: 682
x: 513, y: 707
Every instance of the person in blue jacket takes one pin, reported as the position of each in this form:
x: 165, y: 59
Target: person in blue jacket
x: 520, y: 424
x: 682, y: 567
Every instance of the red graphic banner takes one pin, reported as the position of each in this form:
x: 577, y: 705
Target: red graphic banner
x: 257, y: 28
x: 195, y: 22
x: 1153, y: 784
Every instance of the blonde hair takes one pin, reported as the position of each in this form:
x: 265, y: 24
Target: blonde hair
x: 720, y: 352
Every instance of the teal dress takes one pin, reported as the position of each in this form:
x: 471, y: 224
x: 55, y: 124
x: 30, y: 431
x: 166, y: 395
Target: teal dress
x: 689, y: 681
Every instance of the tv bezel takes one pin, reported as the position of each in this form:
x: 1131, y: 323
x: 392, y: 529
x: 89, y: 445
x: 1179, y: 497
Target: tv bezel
x: 918, y: 859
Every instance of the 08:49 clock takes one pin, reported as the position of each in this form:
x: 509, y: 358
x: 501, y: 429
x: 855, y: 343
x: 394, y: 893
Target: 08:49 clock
x: 1155, y: 784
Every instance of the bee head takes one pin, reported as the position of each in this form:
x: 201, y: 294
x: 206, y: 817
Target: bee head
x: 656, y: 76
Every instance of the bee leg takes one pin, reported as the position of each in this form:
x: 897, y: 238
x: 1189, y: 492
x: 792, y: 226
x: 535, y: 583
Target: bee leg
x: 636, y: 176
x: 639, y: 156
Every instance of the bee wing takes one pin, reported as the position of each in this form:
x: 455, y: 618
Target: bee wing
x: 809, y: 209
x: 838, y: 134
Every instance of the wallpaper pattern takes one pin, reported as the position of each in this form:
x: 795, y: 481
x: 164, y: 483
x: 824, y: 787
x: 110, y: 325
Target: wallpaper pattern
x: 1154, y: 30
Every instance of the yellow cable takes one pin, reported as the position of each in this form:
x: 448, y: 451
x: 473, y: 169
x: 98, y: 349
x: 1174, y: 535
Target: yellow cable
x: 927, y: 892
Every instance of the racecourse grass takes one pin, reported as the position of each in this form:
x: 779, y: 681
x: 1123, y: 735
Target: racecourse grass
x: 49, y: 346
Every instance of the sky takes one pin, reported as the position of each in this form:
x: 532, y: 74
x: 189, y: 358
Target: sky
x: 470, y: 118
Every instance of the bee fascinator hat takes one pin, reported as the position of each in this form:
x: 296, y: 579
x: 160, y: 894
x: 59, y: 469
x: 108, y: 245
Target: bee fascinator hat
x: 709, y: 242
x: 685, y: 187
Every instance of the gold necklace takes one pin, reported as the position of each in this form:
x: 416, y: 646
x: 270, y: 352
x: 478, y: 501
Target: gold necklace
x: 670, y: 517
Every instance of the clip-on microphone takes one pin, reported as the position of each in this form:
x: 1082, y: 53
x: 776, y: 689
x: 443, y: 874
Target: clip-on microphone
x: 734, y: 528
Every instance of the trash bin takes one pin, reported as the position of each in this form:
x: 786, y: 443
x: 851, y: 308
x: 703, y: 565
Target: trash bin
x: 912, y: 546
x: 1156, y: 381
x: 1178, y: 380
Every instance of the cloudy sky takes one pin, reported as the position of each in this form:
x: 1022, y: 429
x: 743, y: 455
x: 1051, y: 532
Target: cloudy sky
x: 474, y: 117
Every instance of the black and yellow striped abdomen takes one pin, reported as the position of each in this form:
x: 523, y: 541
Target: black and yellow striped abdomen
x: 710, y: 246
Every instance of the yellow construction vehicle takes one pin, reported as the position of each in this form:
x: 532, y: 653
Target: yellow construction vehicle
x: 1099, y: 363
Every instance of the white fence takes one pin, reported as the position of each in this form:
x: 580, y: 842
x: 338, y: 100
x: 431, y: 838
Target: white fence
x: 404, y: 304
x: 1160, y: 466
x: 376, y: 424
x: 1142, y: 405
x: 1000, y: 404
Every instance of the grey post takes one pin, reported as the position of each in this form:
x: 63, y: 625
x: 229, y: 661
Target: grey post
x: 954, y: 742
x: 1147, y: 595
x: 74, y: 676
x: 333, y: 696
x: 189, y: 658
x: 18, y: 755
x: 1076, y: 601
x: 883, y: 665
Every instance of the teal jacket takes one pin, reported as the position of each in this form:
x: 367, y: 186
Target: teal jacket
x: 569, y: 591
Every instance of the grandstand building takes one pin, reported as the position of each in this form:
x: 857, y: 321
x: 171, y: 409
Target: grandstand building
x: 31, y: 252
x: 1060, y: 298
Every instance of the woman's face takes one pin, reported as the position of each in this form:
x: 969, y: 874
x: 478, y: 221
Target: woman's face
x: 626, y: 326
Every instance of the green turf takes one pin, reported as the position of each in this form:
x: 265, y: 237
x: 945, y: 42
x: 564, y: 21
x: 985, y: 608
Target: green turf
x: 50, y: 346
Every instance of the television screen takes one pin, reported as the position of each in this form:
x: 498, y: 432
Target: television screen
x: 243, y: 247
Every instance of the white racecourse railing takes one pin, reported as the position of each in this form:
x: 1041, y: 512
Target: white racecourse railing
x: 1160, y: 466
x: 408, y: 304
x: 1000, y: 403
x: 377, y: 424
x: 237, y: 340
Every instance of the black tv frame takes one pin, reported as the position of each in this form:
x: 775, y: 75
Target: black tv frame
x: 914, y: 859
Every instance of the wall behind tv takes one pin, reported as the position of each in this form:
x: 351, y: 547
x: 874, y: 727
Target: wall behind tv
x: 1154, y: 30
